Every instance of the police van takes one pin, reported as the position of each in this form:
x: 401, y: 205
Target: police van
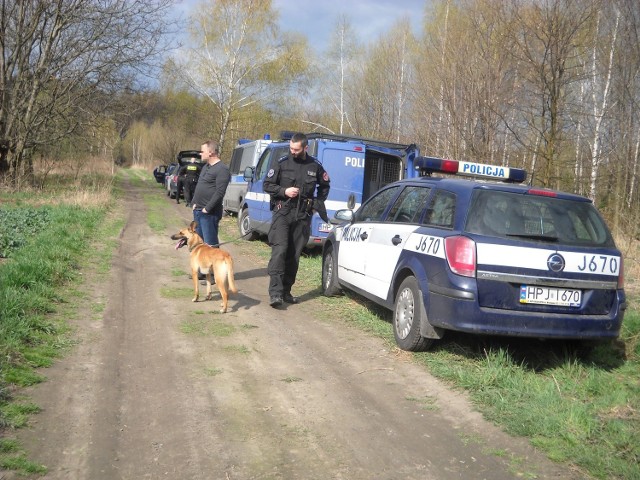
x: 245, y: 154
x: 357, y: 167
x: 485, y: 257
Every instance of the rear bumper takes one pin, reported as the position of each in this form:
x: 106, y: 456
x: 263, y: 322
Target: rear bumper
x: 462, y: 313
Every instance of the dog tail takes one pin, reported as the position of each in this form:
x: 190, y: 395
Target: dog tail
x: 230, y: 279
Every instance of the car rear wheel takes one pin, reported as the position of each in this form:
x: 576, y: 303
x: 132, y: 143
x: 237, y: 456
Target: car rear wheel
x: 244, y: 224
x: 408, y: 313
x: 330, y: 286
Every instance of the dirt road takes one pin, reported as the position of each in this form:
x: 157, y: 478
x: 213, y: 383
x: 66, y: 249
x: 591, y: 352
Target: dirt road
x: 161, y: 387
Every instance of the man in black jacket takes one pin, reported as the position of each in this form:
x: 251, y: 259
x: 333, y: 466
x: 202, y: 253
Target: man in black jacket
x: 210, y: 190
x: 292, y: 182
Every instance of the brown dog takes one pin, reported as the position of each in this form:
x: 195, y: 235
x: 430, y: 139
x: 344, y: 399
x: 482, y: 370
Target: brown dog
x: 207, y: 259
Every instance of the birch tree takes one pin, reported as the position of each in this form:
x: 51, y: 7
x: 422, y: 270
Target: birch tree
x: 239, y: 58
x: 600, y: 96
x: 337, y: 70
x: 379, y: 91
x: 549, y: 35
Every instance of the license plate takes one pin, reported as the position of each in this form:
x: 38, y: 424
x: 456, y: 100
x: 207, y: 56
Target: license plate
x: 325, y: 227
x: 565, y: 297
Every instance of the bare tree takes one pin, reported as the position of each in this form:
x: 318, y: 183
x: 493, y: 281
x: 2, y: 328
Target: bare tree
x: 549, y: 36
x: 63, y: 60
x: 378, y: 92
x: 338, y: 65
x: 600, y: 85
x: 240, y: 58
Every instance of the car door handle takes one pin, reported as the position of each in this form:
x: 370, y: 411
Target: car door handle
x: 364, y: 236
x: 396, y: 240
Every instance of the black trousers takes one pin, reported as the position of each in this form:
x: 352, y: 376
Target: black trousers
x: 190, y: 183
x: 288, y: 236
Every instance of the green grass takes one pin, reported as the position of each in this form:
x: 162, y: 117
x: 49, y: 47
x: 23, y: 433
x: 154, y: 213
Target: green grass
x: 178, y: 292
x: 207, y: 326
x: 41, y: 287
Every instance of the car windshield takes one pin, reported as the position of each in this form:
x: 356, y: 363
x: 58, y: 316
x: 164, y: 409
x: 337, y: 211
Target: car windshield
x: 538, y: 218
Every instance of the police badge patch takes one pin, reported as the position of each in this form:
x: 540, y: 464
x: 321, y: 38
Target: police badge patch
x: 270, y: 173
x: 325, y: 176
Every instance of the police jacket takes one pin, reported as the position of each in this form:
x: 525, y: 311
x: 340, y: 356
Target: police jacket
x: 306, y: 174
x: 190, y: 170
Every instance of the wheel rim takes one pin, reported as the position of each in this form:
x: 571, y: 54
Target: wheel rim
x: 328, y: 271
x: 405, y: 313
x: 245, y: 224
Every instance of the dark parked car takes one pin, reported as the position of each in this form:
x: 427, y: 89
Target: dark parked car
x: 171, y: 169
x: 160, y: 172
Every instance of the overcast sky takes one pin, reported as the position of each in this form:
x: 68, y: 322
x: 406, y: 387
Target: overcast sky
x: 369, y: 18
x: 316, y: 19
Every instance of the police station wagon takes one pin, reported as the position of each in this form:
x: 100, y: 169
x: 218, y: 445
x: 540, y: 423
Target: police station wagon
x: 486, y: 257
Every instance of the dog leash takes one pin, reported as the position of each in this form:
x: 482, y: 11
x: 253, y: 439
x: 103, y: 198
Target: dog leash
x: 277, y: 212
x: 232, y: 241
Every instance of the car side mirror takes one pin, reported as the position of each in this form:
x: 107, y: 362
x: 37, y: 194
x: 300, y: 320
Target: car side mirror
x: 342, y: 216
x: 248, y: 173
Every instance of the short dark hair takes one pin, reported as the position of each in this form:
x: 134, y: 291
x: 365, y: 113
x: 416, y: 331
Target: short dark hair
x: 213, y: 146
x: 300, y: 138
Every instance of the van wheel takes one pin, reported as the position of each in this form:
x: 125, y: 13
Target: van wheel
x: 244, y: 224
x: 330, y: 286
x: 408, y: 313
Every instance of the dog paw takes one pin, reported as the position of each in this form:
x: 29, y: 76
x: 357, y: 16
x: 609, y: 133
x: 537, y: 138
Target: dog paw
x: 194, y: 299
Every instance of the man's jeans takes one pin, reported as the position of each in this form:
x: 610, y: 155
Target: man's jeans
x: 207, y: 227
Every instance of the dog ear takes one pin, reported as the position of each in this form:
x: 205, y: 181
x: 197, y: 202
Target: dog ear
x: 193, y: 226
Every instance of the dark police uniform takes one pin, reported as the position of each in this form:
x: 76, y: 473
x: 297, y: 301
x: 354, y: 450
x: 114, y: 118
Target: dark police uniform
x: 291, y: 218
x: 187, y: 180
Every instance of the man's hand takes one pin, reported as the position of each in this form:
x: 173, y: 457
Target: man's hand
x: 292, y: 192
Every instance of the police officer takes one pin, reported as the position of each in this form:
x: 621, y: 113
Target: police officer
x: 190, y: 180
x: 291, y: 181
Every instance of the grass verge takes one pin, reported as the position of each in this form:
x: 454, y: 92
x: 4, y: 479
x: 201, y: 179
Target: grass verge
x: 41, y: 279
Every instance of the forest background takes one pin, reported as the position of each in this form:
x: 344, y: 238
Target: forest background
x: 552, y: 86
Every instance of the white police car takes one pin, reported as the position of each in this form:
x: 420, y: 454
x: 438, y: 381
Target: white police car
x: 481, y: 257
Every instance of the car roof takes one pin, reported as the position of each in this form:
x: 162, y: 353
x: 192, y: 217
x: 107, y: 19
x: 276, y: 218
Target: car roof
x: 466, y: 185
x: 189, y: 153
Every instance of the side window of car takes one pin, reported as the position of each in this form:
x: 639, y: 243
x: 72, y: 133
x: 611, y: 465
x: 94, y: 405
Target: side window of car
x: 270, y: 155
x: 409, y: 205
x: 442, y: 210
x: 375, y: 207
x: 263, y: 163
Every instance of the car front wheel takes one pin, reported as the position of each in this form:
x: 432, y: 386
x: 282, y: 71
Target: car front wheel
x: 408, y: 313
x: 244, y: 225
x: 330, y: 286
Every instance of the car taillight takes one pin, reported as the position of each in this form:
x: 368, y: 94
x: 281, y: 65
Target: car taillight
x: 621, y: 275
x: 461, y: 255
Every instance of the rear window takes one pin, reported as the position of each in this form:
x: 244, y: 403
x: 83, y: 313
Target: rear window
x: 538, y: 218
